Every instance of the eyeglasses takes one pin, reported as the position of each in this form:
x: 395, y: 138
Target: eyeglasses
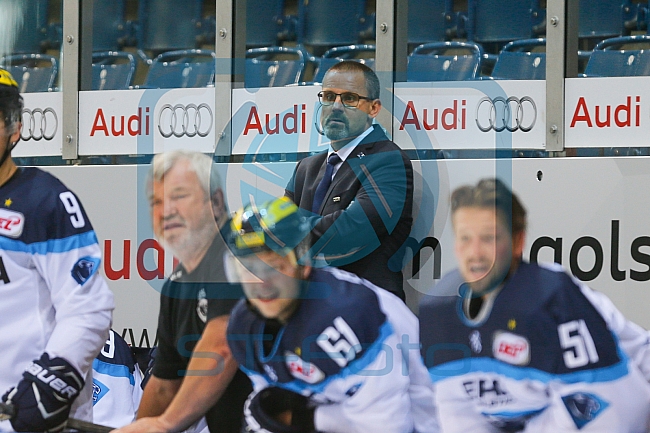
x: 349, y: 99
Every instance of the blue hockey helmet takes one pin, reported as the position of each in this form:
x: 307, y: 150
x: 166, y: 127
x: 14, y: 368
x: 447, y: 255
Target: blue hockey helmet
x: 277, y: 225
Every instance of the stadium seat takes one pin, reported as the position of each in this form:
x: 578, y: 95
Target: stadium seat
x: 109, y: 27
x: 181, y: 68
x: 323, y: 24
x: 429, y: 20
x: 613, y: 58
x: 266, y: 24
x: 338, y: 54
x: 517, y: 61
x: 444, y: 61
x: 268, y: 67
x: 600, y: 19
x: 165, y: 25
x: 33, y: 72
x: 112, y: 70
x: 500, y: 21
x: 33, y: 35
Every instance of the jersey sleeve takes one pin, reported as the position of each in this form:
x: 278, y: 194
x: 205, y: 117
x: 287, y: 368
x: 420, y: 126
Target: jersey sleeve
x: 633, y: 339
x: 69, y: 262
x: 603, y: 357
x: 378, y: 397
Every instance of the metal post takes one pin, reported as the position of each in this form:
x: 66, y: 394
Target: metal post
x: 561, y: 62
x: 390, y: 58
x: 231, y: 19
x: 70, y: 78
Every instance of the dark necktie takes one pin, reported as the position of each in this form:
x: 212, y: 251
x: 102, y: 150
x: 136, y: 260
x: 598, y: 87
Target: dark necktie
x: 325, y: 182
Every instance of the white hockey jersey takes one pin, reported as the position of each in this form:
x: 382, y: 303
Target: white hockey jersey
x: 351, y: 347
x: 545, y: 354
x: 116, y: 384
x: 53, y: 298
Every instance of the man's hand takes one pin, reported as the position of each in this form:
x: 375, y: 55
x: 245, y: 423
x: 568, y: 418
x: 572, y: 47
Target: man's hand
x: 42, y: 399
x: 153, y: 424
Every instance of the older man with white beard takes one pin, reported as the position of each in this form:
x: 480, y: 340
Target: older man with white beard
x: 188, y: 209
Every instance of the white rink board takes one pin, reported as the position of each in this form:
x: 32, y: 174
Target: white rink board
x: 129, y: 122
x: 576, y: 198
x: 470, y: 115
x: 603, y: 112
x: 41, y: 133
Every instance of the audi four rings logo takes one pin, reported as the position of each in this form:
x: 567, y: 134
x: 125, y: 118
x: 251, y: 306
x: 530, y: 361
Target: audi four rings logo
x: 497, y: 114
x: 185, y: 120
x: 39, y: 124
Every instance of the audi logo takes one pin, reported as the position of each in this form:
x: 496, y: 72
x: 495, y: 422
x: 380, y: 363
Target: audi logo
x: 497, y: 114
x: 39, y: 124
x: 185, y: 120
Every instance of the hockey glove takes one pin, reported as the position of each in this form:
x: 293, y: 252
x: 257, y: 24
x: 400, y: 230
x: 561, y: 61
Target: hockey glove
x: 263, y: 410
x: 42, y: 399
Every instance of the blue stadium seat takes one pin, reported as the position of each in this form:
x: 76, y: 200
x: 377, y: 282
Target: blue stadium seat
x: 33, y: 36
x: 265, y: 69
x: 612, y: 58
x: 444, y: 61
x: 165, y: 25
x: 181, y: 68
x: 600, y: 19
x: 33, y: 72
x: 430, y: 21
x: 109, y: 26
x: 265, y: 23
x: 517, y: 61
x: 500, y: 21
x: 338, y: 54
x: 323, y: 24
x: 112, y: 70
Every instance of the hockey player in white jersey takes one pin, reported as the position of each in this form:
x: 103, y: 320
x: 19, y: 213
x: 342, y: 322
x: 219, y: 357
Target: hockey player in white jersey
x: 522, y: 346
x: 117, y: 383
x: 56, y: 309
x: 326, y: 350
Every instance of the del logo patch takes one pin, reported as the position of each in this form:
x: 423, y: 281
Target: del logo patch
x: 11, y: 223
x: 511, y: 348
x: 300, y: 369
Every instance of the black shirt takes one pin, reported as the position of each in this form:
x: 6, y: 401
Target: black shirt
x: 187, y: 302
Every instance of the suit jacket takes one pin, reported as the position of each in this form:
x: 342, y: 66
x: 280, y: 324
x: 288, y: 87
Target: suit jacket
x: 366, y: 215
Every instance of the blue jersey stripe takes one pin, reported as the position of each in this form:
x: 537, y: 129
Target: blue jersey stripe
x: 489, y: 365
x: 50, y: 246
x: 114, y: 370
x: 355, y: 368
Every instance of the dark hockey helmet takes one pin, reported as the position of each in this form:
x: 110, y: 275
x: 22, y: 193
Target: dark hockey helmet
x: 277, y: 225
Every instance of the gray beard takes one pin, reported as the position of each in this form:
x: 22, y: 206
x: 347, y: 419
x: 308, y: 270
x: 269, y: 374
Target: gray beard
x: 337, y: 133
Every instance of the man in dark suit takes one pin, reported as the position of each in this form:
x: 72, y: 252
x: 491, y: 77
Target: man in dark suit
x: 361, y: 189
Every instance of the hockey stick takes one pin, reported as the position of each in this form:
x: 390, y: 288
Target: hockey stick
x: 76, y: 424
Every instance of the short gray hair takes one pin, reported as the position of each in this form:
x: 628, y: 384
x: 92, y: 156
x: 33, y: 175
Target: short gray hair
x: 200, y: 163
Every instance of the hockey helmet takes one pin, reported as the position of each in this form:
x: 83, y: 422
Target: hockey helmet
x: 277, y: 225
x: 6, y: 79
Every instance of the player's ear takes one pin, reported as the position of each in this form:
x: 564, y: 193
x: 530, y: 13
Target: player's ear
x: 16, y: 135
x: 218, y: 203
x: 375, y: 108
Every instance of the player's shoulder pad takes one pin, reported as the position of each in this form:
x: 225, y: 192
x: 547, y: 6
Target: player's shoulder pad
x: 335, y: 294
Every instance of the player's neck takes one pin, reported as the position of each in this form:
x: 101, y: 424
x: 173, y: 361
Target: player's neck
x: 7, y: 170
